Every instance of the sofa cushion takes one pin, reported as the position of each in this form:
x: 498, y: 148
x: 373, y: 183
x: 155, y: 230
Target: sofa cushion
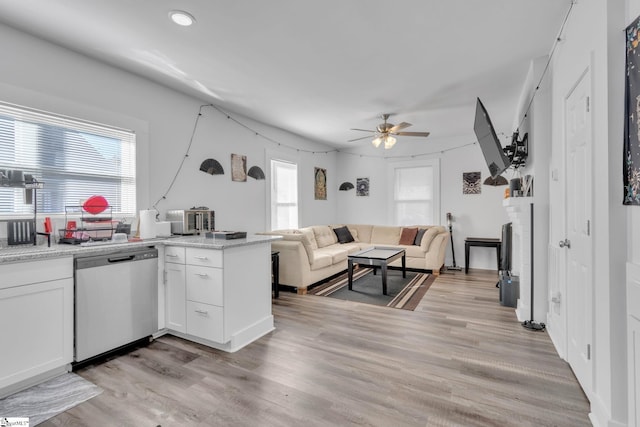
x: 408, y: 236
x: 324, y: 235
x: 413, y: 251
x: 321, y: 260
x: 429, y: 235
x: 385, y: 235
x: 343, y: 234
x: 353, y: 247
x: 337, y: 253
x: 311, y: 237
x: 361, y: 232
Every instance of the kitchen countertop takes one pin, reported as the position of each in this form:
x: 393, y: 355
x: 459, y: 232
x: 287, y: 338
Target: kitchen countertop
x: 57, y: 250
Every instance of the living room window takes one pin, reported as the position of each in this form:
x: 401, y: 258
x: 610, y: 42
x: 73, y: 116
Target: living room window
x: 74, y: 159
x: 284, y: 195
x: 416, y: 193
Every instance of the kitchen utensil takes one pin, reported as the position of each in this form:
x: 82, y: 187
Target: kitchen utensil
x: 47, y: 225
x: 20, y: 231
x: 71, y: 226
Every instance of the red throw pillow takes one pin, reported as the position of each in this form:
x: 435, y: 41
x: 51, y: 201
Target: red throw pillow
x: 408, y: 235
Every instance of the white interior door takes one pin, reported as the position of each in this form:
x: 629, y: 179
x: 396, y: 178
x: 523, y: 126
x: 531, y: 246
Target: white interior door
x: 578, y: 222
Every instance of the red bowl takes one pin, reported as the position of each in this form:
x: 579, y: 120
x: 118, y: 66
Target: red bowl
x: 95, y: 205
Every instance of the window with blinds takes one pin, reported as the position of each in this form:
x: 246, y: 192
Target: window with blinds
x: 74, y: 159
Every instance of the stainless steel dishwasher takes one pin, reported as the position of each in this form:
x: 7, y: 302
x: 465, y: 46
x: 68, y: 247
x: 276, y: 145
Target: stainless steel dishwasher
x: 116, y: 300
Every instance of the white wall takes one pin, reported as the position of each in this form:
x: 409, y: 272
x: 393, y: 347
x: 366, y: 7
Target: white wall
x: 41, y: 75
x: 475, y: 215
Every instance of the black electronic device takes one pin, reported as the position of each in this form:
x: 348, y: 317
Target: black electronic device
x: 505, y: 250
x: 494, y: 155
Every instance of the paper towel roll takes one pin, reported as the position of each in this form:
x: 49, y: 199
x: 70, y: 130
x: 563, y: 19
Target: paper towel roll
x: 147, y: 228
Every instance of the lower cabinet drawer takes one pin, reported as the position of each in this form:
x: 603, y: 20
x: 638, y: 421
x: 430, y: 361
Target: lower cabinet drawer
x: 204, y: 284
x: 205, y: 321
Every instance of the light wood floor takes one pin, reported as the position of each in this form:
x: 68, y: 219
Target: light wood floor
x: 461, y: 359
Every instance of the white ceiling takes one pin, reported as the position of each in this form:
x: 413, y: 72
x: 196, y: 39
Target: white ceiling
x: 318, y: 68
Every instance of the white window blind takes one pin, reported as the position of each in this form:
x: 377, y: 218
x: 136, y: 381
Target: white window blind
x: 284, y: 195
x: 74, y: 159
x: 414, y: 195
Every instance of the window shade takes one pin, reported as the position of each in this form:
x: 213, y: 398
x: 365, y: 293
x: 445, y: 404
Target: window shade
x: 75, y: 159
x: 284, y: 195
x: 413, y: 195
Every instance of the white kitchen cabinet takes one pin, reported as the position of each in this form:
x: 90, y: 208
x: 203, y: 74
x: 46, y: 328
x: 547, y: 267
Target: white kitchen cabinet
x: 175, y: 283
x: 36, y: 314
x: 227, y: 294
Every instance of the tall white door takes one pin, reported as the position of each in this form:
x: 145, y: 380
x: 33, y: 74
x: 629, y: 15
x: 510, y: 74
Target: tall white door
x: 579, y: 301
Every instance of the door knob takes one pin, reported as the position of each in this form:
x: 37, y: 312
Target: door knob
x: 565, y: 244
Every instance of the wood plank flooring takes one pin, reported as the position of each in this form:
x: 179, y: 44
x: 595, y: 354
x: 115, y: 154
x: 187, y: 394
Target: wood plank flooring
x: 460, y: 359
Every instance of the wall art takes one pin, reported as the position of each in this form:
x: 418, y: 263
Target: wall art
x: 631, y: 151
x: 238, y: 167
x: 320, y: 183
x: 471, y: 183
x: 362, y: 186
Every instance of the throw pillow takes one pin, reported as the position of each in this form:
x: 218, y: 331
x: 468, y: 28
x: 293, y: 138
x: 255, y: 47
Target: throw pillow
x: 408, y: 236
x: 343, y: 234
x: 419, y: 235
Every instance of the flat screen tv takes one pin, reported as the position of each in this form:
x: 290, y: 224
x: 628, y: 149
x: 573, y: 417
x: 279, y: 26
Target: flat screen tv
x: 497, y: 160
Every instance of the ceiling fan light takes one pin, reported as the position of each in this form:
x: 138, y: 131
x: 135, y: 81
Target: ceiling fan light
x: 182, y: 18
x: 389, y: 142
x: 377, y: 141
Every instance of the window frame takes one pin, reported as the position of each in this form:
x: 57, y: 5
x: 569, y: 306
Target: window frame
x: 284, y: 158
x: 435, y: 201
x: 63, y: 126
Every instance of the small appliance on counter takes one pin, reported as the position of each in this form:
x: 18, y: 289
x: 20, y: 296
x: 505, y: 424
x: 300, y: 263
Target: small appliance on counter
x: 191, y: 221
x: 226, y: 235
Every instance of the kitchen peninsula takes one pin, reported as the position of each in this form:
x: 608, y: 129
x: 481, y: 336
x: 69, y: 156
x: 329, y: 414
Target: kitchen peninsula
x: 212, y: 291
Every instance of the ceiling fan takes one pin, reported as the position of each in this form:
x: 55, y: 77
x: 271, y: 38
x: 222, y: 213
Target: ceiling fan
x: 384, y: 133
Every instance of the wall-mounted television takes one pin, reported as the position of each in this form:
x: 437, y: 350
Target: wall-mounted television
x: 494, y: 155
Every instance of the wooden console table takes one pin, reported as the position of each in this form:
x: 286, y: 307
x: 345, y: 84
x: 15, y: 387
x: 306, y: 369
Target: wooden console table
x: 483, y: 242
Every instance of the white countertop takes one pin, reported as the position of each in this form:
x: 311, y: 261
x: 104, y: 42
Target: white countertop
x: 29, y: 253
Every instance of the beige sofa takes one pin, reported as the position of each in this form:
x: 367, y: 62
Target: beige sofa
x: 312, y: 254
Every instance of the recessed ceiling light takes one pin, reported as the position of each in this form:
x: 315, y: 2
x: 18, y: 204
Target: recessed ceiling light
x: 181, y: 17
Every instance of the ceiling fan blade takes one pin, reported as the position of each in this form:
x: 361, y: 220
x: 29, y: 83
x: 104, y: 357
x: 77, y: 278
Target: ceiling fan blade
x: 358, y: 139
x: 412, y: 133
x: 364, y: 130
x: 399, y: 126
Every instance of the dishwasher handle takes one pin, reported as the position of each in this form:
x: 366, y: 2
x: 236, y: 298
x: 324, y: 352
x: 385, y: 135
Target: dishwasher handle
x: 113, y: 260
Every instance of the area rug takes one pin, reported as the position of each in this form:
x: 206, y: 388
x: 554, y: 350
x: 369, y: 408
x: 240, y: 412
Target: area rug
x: 403, y: 293
x: 46, y: 400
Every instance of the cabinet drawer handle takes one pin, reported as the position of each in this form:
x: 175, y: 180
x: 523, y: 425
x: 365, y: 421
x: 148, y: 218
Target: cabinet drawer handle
x: 172, y: 255
x: 202, y: 312
x: 203, y: 275
x: 201, y: 258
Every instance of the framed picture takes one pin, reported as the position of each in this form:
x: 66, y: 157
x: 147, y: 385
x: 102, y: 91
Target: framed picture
x: 238, y: 167
x: 631, y: 150
x: 362, y: 186
x: 320, y: 184
x: 471, y: 183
